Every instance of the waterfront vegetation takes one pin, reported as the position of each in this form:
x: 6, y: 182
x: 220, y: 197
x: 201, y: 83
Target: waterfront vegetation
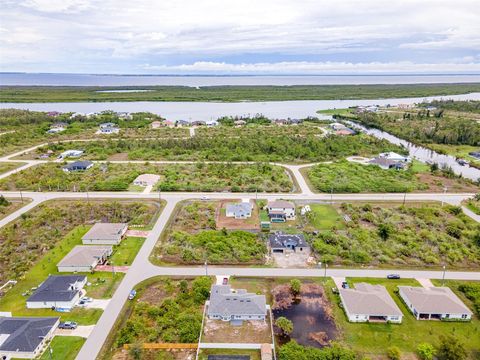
x: 401, y: 235
x: 173, y: 177
x: 37, y: 235
x: 228, y: 93
x: 260, y: 148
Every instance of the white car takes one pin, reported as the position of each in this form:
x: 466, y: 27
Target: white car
x: 204, y: 198
x: 86, y: 299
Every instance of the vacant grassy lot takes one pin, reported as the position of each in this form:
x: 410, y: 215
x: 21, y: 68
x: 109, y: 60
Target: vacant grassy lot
x: 260, y: 147
x: 64, y: 347
x: 302, y: 130
x: 412, y: 236
x: 173, y: 177
x: 348, y: 177
x: 39, y: 232
x: 372, y: 339
x: 191, y: 238
x: 167, y: 310
x: 125, y: 253
x: 8, y: 206
x: 7, y: 166
x: 323, y: 217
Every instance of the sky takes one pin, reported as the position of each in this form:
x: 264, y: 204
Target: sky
x: 240, y: 36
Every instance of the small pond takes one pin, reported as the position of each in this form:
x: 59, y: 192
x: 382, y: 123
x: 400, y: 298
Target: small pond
x: 310, y: 313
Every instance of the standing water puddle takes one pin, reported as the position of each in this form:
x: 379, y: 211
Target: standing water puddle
x: 311, y: 314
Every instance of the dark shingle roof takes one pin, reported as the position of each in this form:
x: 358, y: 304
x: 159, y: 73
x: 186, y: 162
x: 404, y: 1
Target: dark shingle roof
x: 25, y: 334
x: 56, y: 288
x: 78, y: 165
x: 286, y: 240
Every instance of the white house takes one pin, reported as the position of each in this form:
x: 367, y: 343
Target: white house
x: 368, y: 302
x: 70, y: 153
x: 434, y: 303
x: 281, y: 211
x: 235, y: 306
x: 105, y: 234
x: 59, y: 292
x: 84, y: 258
x: 25, y: 337
x: 393, y: 156
x: 241, y: 210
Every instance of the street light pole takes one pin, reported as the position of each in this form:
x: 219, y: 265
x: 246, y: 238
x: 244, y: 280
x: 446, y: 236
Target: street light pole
x: 206, y: 268
x: 444, y: 193
x: 325, y: 274
x: 443, y: 277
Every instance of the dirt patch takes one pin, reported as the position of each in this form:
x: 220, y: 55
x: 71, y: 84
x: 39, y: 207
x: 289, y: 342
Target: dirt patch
x: 320, y: 337
x: 282, y: 297
x: 217, y: 331
x: 294, y: 259
x: 437, y: 184
x: 153, y: 294
x: 250, y: 224
x: 177, y: 354
x: 118, y: 157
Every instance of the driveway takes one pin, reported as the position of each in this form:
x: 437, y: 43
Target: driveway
x: 426, y: 283
x: 137, y: 233
x: 338, y: 280
x: 81, y: 331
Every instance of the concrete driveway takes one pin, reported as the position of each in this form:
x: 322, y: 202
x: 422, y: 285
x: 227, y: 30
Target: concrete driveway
x: 81, y: 331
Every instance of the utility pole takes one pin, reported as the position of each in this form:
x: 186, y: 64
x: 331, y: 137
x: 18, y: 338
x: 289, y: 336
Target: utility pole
x: 443, y: 276
x: 206, y: 268
x: 325, y: 274
x: 21, y: 196
x: 404, y: 197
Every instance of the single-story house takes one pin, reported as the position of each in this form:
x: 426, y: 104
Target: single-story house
x: 59, y: 292
x: 78, y: 166
x: 25, y: 337
x: 241, y: 210
x: 281, y: 121
x: 283, y: 243
x: 105, y: 234
x: 55, y: 130
x: 169, y: 123
x: 368, y: 302
x: 434, y: 303
x: 395, y: 157
x: 235, y: 306
x: 182, y: 123
x: 124, y: 115
x: 212, y: 123
x: 146, y: 180
x: 337, y: 126
x: 84, y: 258
x: 199, y: 123
x: 70, y: 153
x: 109, y: 130
x: 156, y: 124
x: 239, y: 123
x: 281, y: 211
x: 386, y: 164
x: 107, y: 125
x: 345, y: 132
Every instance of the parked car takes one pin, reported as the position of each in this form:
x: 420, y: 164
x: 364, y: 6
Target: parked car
x: 68, y: 325
x: 393, y: 276
x: 225, y: 281
x: 86, y: 299
x: 204, y: 198
x: 345, y: 285
x: 132, y: 295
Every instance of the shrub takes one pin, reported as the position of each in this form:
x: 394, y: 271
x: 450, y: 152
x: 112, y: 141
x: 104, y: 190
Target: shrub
x: 393, y: 353
x: 426, y: 351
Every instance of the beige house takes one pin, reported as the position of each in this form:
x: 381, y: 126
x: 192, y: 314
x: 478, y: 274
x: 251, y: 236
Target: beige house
x: 156, y: 124
x: 434, y: 303
x: 146, y: 180
x: 84, y: 258
x: 105, y: 234
x: 368, y: 302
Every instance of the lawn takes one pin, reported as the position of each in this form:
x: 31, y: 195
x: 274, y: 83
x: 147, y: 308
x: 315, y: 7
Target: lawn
x: 371, y: 339
x: 125, y: 253
x: 324, y: 217
x: 173, y: 177
x: 64, y: 347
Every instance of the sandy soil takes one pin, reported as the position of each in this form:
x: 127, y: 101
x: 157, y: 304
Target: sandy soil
x: 251, y: 223
x: 217, y: 331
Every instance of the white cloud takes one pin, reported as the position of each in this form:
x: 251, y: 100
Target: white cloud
x: 114, y: 35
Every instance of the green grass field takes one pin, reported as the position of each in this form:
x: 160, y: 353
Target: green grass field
x: 325, y: 217
x: 64, y: 347
x: 125, y: 253
x: 372, y: 339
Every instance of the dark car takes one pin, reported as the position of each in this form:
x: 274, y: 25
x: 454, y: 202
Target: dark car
x: 393, y: 276
x: 68, y: 325
x: 345, y: 285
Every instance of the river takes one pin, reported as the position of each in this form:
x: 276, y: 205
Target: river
x: 213, y: 110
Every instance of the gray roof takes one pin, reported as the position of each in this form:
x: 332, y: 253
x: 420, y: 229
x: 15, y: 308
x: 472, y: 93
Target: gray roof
x: 282, y: 204
x: 24, y: 334
x: 84, y: 255
x: 434, y: 300
x: 78, y: 164
x: 224, y: 302
x: 280, y: 240
x: 57, y: 288
x: 381, y: 161
x: 240, y: 208
x: 367, y: 299
x: 105, y: 231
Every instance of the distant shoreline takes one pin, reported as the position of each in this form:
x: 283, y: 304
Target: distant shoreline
x: 229, y: 93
